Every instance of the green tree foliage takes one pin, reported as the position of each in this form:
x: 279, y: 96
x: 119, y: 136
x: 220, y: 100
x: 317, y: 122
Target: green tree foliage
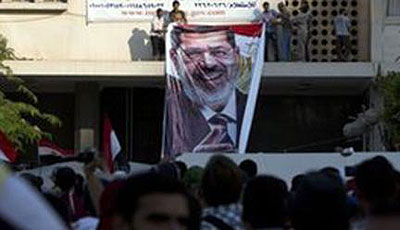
x: 390, y: 88
x: 19, y: 119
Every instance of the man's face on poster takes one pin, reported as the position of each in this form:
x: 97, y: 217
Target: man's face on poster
x: 210, y: 67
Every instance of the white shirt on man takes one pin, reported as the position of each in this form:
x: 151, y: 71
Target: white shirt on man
x: 157, y: 24
x: 342, y: 25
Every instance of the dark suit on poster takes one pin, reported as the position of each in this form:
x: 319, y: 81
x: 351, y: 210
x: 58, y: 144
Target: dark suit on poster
x: 186, y: 126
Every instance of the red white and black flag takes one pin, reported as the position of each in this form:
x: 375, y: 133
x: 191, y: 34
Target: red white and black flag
x: 111, y: 145
x: 48, y: 148
x: 7, y: 152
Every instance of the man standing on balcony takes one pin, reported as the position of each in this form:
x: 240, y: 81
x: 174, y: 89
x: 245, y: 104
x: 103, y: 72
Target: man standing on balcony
x: 301, y: 25
x: 342, y: 25
x: 177, y: 15
x: 157, y: 35
x: 269, y: 18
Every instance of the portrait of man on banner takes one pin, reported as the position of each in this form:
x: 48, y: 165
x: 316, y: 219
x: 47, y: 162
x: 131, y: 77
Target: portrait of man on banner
x: 209, y: 72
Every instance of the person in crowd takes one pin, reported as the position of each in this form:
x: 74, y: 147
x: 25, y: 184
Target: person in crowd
x: 284, y: 33
x: 192, y: 180
x: 177, y: 15
x: 295, y: 183
x: 107, y: 210
x: 249, y: 168
x: 342, y: 26
x: 157, y: 35
x: 319, y: 203
x: 301, y: 25
x: 332, y: 172
x: 269, y: 18
x: 265, y: 203
x: 182, y: 168
x: 170, y: 169
x: 376, y: 186
x: 221, y: 189
x: 65, y: 180
x: 153, y: 201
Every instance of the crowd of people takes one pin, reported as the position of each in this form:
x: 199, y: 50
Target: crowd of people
x: 225, y: 196
x: 280, y: 27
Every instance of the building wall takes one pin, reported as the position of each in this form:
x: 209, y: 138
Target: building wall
x: 65, y: 35
x: 385, y: 37
x: 55, y: 35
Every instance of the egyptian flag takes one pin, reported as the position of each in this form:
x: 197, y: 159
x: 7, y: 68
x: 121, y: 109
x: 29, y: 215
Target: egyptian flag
x: 111, y: 145
x: 7, y: 152
x: 48, y: 148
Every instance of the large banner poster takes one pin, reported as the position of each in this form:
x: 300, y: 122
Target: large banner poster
x: 213, y: 75
x: 196, y: 10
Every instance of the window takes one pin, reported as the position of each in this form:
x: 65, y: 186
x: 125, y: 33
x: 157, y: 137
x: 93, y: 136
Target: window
x: 393, y: 8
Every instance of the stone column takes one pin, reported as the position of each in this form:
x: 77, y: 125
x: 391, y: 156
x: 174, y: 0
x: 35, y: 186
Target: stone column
x: 87, y: 117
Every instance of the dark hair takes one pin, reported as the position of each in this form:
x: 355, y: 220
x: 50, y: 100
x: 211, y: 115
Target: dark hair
x: 332, y: 172
x: 35, y: 181
x: 175, y: 2
x: 249, y: 167
x: 221, y: 182
x: 65, y: 178
x: 264, y: 202
x: 296, y: 181
x: 265, y: 3
x: 182, y: 168
x: 179, y: 30
x: 319, y: 203
x: 376, y: 181
x: 159, y: 10
x: 167, y: 169
x: 134, y: 188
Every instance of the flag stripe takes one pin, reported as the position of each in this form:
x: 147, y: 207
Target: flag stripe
x: 111, y: 146
x: 7, y: 151
x: 46, y: 147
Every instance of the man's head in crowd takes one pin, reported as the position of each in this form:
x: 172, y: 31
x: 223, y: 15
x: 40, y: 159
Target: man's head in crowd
x: 266, y: 6
x: 65, y: 178
x: 207, y: 61
x: 154, y: 202
x: 175, y: 5
x: 249, y: 167
x: 296, y: 181
x: 264, y: 203
x: 376, y: 186
x: 319, y: 203
x: 222, y: 182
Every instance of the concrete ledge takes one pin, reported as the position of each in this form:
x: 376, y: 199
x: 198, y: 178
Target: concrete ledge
x: 288, y: 165
x: 322, y: 69
x: 390, y: 67
x: 156, y: 69
x: 35, y: 6
x: 86, y: 69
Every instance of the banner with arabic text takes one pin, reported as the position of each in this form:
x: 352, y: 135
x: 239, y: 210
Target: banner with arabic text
x: 196, y: 10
